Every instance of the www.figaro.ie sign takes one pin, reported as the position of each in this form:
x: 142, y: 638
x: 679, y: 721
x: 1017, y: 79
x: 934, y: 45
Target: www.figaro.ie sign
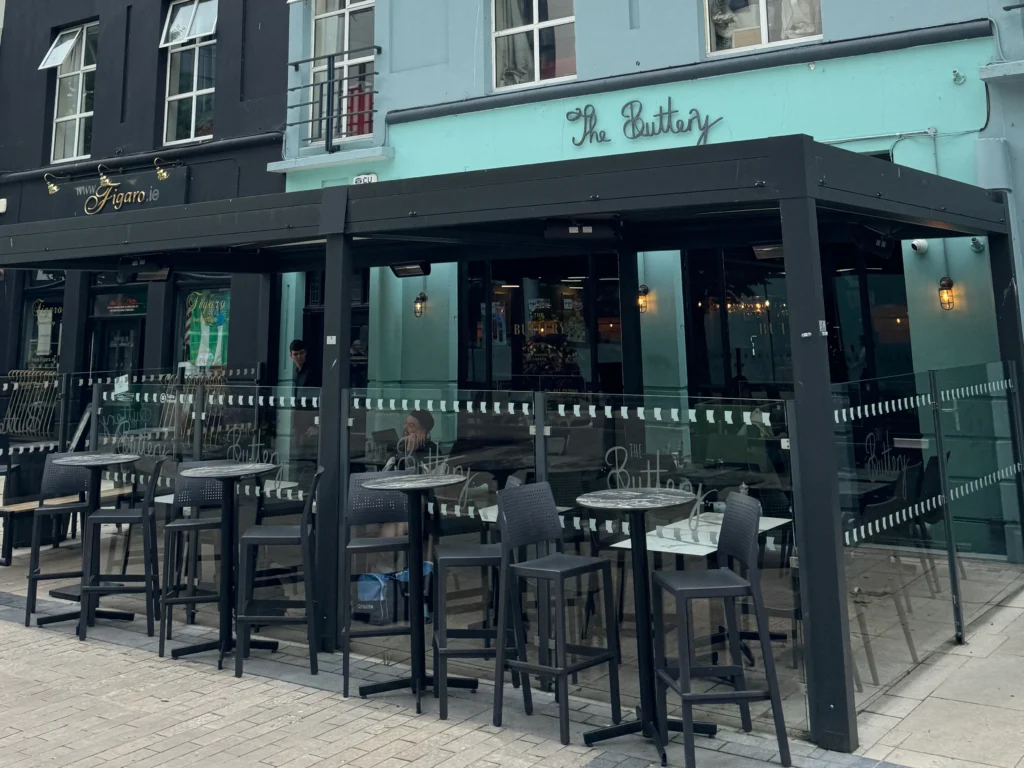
x: 117, y: 192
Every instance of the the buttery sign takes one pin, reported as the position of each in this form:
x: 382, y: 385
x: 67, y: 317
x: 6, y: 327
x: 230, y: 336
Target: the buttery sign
x: 116, y: 192
x: 641, y: 122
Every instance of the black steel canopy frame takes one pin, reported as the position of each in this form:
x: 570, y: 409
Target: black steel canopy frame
x: 787, y: 191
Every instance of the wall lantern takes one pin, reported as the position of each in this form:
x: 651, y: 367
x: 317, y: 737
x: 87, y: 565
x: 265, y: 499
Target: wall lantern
x: 642, y: 298
x: 104, y: 179
x: 51, y: 183
x: 161, y: 171
x: 946, y: 293
x: 419, y: 303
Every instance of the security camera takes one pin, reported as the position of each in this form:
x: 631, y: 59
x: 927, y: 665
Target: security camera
x: 977, y: 244
x: 919, y: 246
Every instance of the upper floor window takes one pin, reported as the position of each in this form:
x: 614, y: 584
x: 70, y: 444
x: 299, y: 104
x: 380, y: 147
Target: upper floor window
x: 191, y: 69
x: 343, y: 30
x: 534, y: 41
x: 735, y: 24
x: 73, y: 55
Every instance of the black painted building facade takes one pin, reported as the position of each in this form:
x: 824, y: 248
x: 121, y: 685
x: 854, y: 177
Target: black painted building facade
x: 112, y: 106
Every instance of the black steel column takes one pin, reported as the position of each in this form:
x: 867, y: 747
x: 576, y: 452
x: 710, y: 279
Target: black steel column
x: 11, y: 284
x: 1007, y: 301
x: 338, y: 284
x: 833, y: 715
x: 158, y: 349
x: 629, y: 308
x: 74, y: 339
x: 947, y: 512
x: 1011, y: 343
x: 252, y: 302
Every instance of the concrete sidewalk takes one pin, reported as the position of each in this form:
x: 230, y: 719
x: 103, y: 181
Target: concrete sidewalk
x: 108, y: 702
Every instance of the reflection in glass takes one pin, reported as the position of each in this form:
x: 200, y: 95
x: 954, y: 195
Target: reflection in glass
x: 92, y: 35
x: 549, y: 10
x: 557, y: 51
x: 207, y: 67
x: 179, y: 120
x: 204, y: 114
x: 509, y: 14
x: 360, y: 33
x: 85, y: 136
x: 182, y: 74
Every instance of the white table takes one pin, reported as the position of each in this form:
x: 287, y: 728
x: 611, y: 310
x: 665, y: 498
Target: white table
x: 679, y: 539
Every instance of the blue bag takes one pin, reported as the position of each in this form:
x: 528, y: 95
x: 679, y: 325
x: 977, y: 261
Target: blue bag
x: 375, y: 597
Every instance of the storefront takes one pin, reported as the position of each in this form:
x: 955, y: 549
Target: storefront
x: 795, y: 253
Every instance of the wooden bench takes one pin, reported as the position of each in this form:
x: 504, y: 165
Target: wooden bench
x: 8, y: 513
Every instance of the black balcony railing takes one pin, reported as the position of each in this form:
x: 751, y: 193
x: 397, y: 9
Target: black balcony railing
x: 338, y: 96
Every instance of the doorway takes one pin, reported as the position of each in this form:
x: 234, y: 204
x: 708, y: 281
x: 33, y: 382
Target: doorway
x: 117, y: 345
x: 555, y: 324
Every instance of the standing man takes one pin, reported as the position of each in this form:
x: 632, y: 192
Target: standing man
x: 305, y: 374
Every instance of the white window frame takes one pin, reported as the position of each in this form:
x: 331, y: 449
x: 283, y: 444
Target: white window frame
x: 534, y: 28
x: 190, y: 35
x: 342, y: 65
x: 709, y: 32
x: 80, y: 71
x: 75, y: 32
x: 195, y: 44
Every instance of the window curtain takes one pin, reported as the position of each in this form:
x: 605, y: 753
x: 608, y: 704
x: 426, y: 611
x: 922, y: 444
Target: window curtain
x: 723, y: 19
x: 514, y: 59
x: 800, y: 18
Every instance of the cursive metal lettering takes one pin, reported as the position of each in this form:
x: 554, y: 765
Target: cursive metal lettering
x: 591, y: 134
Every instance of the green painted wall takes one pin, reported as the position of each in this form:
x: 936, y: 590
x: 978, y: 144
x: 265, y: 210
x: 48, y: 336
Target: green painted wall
x: 886, y: 96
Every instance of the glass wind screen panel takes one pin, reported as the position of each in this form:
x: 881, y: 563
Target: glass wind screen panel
x: 205, y: 20
x: 60, y: 49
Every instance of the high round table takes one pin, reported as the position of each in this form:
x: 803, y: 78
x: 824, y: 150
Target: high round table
x: 228, y: 475
x: 415, y: 486
x: 95, y: 463
x: 636, y: 503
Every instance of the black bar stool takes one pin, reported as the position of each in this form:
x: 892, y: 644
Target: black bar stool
x: 198, y: 495
x: 738, y: 541
x: 143, y: 516
x: 527, y: 516
x: 368, y: 508
x: 265, y: 612
x: 58, y: 482
x: 486, y: 557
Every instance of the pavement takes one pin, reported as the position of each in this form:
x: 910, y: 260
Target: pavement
x: 111, y: 701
